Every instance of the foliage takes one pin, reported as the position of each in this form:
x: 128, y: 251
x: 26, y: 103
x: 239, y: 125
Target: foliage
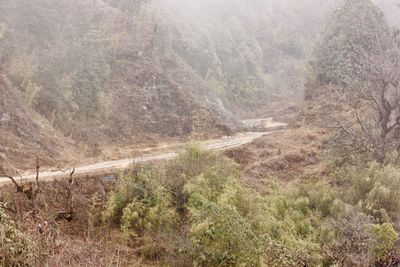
x: 313, y: 224
x: 220, y: 236
x: 202, y: 194
x: 357, y: 63
x: 129, y: 6
x: 15, y: 250
x: 372, y: 190
x: 364, y: 234
x: 76, y: 61
x: 383, y: 239
x: 295, y: 224
x: 220, y: 232
x: 196, y: 212
x: 345, y: 36
x: 141, y: 205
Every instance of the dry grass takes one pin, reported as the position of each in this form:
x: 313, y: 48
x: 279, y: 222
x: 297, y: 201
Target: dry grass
x: 84, y: 241
x: 62, y: 242
x: 284, y: 155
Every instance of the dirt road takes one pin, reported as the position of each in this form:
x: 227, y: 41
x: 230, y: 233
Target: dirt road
x: 218, y: 144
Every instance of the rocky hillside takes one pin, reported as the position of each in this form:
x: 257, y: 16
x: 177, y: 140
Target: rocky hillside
x: 105, y: 72
x: 250, y: 53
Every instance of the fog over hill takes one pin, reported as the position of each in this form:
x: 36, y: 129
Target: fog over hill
x: 391, y: 9
x: 115, y: 72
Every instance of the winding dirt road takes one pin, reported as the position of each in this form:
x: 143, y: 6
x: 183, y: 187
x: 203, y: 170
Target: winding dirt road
x: 218, y: 144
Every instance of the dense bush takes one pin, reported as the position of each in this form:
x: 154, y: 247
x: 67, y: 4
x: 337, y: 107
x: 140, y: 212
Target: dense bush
x: 15, y: 250
x: 142, y: 206
x: 373, y: 190
x: 383, y: 238
x: 195, y: 211
x: 220, y: 232
x: 220, y: 236
x: 295, y: 224
x: 200, y: 192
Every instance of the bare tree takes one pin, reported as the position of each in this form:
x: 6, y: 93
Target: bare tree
x: 69, y: 211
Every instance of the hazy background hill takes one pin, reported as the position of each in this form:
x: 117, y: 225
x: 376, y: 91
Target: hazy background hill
x: 117, y: 72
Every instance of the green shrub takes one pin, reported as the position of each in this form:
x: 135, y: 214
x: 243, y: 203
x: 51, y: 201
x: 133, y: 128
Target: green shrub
x: 195, y: 209
x: 294, y: 223
x: 194, y: 160
x: 148, y: 216
x: 196, y: 212
x: 383, y: 238
x: 373, y: 190
x: 220, y: 236
x: 142, y: 206
x: 16, y: 250
x: 220, y: 231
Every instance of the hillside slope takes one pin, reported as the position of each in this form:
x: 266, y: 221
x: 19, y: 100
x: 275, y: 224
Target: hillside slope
x: 25, y: 134
x: 112, y: 72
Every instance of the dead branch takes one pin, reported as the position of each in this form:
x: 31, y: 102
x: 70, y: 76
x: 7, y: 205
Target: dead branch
x: 20, y: 188
x: 70, y: 195
x: 68, y: 213
x: 37, y: 175
x: 6, y: 207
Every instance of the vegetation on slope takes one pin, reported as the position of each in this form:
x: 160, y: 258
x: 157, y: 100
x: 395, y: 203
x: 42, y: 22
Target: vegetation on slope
x: 16, y: 249
x: 108, y: 72
x: 120, y: 64
x: 356, y: 84
x: 198, y: 212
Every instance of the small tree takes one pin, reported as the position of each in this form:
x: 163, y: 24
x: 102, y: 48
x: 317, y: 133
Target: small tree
x: 358, y: 63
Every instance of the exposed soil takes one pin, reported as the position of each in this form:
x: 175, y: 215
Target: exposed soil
x: 283, y: 155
